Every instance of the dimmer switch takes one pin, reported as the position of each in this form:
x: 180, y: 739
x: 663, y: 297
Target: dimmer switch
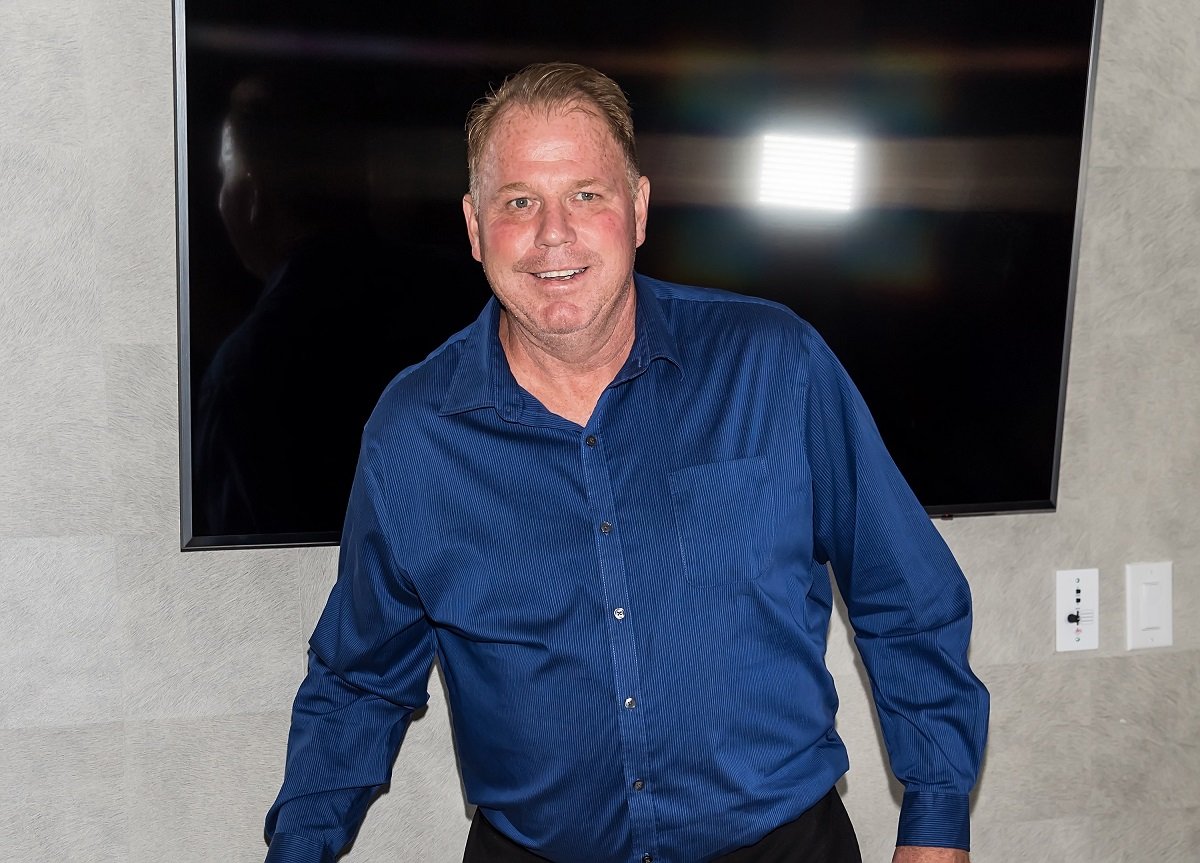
x: 1077, y: 609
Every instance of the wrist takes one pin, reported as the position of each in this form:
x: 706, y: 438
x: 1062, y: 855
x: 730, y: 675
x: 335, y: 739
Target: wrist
x: 925, y: 854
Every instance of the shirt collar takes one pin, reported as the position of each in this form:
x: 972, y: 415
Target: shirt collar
x: 483, y: 379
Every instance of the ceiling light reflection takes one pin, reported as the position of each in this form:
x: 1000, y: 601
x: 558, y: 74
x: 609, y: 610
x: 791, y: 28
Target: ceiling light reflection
x: 809, y: 172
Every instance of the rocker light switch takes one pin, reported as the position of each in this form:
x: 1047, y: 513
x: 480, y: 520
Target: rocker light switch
x: 1148, y: 616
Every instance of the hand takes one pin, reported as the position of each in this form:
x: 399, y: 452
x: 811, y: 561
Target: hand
x: 916, y: 854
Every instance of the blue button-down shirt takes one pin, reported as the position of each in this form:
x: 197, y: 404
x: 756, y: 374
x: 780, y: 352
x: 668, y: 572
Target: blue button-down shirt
x: 631, y: 617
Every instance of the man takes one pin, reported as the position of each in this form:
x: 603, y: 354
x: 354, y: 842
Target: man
x: 607, y: 508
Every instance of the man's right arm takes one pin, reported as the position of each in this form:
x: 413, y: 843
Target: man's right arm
x: 369, y: 663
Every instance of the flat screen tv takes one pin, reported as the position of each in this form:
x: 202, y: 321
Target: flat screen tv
x: 906, y: 176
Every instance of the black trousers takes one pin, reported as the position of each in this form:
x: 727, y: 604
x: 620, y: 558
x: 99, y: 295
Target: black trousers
x: 823, y: 834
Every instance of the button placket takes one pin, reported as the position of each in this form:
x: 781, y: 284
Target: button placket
x: 615, y: 588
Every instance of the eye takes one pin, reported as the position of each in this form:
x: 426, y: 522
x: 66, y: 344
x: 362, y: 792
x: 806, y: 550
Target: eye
x: 519, y: 203
x: 587, y: 196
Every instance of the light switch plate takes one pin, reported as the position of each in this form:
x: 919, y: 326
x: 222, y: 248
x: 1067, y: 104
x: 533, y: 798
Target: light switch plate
x: 1077, y: 609
x: 1148, y: 613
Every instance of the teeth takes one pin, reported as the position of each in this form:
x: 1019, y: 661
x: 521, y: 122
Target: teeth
x: 559, y: 274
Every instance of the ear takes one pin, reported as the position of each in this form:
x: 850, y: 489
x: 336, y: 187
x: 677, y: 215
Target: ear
x: 641, y: 207
x: 472, y: 218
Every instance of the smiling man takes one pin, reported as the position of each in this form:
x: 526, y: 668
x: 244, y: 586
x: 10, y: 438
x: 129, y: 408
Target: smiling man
x: 608, y: 508
x: 555, y: 213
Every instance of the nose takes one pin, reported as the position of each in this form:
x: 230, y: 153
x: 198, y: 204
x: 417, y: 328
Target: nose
x: 554, y: 225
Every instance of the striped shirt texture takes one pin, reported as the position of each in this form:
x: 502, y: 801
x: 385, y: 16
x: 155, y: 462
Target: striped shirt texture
x: 631, y: 617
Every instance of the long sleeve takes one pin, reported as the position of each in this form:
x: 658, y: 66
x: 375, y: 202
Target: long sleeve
x: 909, y: 605
x: 369, y: 663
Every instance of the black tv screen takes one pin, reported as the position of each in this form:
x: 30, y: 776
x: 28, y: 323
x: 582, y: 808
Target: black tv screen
x: 907, y: 177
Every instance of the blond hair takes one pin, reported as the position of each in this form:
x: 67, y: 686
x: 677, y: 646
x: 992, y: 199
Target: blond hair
x: 552, y: 86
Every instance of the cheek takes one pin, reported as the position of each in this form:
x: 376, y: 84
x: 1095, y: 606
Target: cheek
x: 612, y: 229
x: 504, y: 239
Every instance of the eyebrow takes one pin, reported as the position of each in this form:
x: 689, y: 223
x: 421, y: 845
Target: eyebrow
x: 513, y: 187
x: 518, y: 186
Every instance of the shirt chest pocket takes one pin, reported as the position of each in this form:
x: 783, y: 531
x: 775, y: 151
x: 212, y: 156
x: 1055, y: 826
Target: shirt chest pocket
x: 723, y: 517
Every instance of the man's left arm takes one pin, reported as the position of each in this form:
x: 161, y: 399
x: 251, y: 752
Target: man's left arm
x: 910, y: 608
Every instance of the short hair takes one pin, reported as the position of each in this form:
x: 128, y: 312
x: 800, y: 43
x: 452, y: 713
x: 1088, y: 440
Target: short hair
x: 550, y: 86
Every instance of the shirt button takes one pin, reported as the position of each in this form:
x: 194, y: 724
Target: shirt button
x: 605, y: 527
x: 638, y: 785
x: 590, y: 440
x: 619, y: 613
x: 630, y: 703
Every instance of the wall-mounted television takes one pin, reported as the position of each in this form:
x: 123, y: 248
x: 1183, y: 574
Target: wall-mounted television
x: 906, y: 176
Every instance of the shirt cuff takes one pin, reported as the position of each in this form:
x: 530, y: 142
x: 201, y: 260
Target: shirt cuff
x: 293, y: 848
x: 935, y: 820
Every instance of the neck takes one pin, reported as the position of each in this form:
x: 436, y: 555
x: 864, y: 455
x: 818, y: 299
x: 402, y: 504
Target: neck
x: 567, y: 375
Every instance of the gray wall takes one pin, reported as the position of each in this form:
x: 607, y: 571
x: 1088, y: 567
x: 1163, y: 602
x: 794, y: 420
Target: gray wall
x: 144, y: 693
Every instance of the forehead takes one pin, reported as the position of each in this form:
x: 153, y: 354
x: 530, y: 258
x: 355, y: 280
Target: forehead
x: 539, y: 138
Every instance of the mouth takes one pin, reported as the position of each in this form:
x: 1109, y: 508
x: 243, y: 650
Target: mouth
x: 559, y: 275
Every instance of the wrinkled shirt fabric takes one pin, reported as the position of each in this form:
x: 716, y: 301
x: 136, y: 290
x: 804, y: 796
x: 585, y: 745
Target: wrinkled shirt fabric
x: 631, y: 617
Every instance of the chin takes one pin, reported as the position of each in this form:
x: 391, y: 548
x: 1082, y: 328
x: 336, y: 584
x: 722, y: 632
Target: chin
x: 561, y: 326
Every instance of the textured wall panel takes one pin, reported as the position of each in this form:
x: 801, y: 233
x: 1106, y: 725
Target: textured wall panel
x: 60, y: 658
x: 1141, y: 222
x: 47, y: 244
x: 1039, y: 731
x: 1144, y: 726
x: 62, y: 798
x: 1140, y: 835
x: 42, y: 90
x: 318, y: 572
x: 143, y: 435
x: 198, y: 789
x: 206, y: 634
x: 1148, y: 88
x: 45, y: 382
x: 55, y: 480
x: 1034, y: 841
x: 135, y: 256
